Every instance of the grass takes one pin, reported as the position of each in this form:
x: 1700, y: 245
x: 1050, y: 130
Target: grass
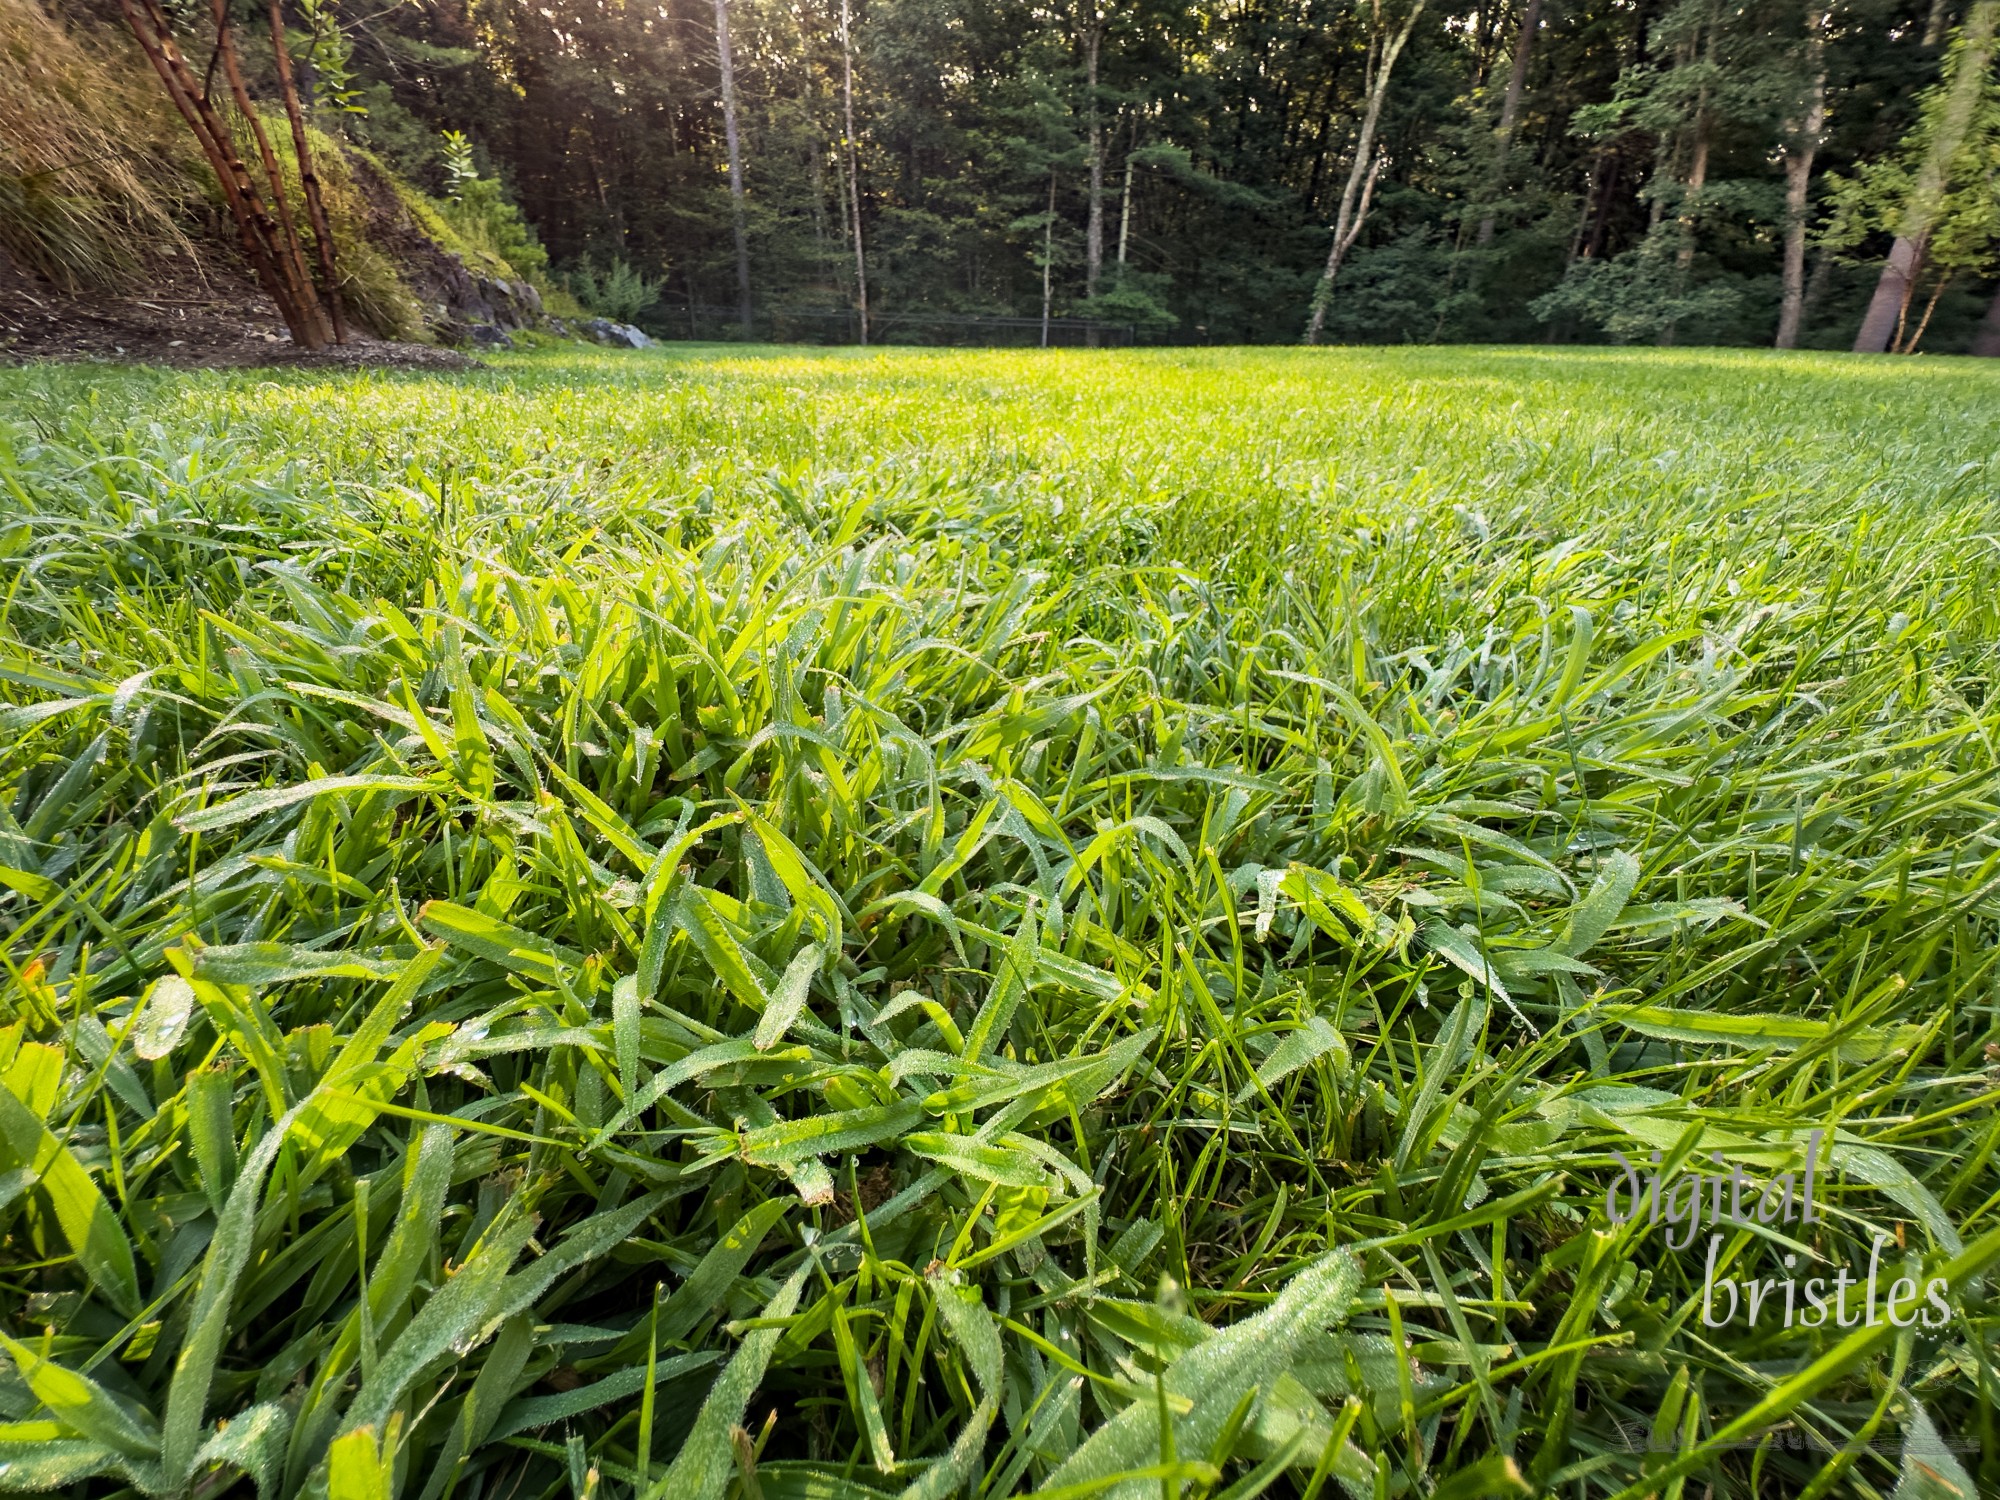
x: 92, y: 160
x: 955, y: 924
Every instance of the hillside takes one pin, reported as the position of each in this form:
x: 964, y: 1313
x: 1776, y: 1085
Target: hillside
x: 114, y: 240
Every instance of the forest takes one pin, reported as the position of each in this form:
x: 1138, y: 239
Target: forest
x: 1210, y: 171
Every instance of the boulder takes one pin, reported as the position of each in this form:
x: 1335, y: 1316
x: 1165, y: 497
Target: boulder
x: 617, y: 335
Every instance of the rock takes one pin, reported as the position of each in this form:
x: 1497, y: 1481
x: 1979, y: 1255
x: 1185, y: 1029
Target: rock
x: 510, y: 304
x: 618, y: 335
x: 484, y: 335
x: 456, y: 298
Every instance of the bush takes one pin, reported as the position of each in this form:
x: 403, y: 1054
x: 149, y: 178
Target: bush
x: 619, y: 291
x: 482, y: 215
x: 1133, y: 297
x: 1644, y: 295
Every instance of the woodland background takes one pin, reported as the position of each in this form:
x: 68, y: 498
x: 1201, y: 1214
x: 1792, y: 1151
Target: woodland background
x: 1500, y: 170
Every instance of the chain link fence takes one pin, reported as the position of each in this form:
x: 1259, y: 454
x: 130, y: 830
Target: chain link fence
x: 780, y: 325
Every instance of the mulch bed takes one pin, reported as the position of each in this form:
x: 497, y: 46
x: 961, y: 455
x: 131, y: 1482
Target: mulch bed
x: 189, y: 317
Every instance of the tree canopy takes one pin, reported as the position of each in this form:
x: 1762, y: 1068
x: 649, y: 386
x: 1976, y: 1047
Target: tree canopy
x: 1568, y: 170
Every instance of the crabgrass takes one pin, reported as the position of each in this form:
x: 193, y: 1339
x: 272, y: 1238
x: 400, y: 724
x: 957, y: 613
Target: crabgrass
x: 960, y: 924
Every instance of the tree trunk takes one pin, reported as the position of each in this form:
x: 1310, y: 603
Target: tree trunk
x: 1691, y: 198
x: 255, y: 231
x: 1598, y: 213
x: 726, y: 64
x: 1909, y: 345
x: 1510, y: 107
x: 292, y: 255
x: 1125, y: 205
x: 1892, y: 295
x: 1987, y: 341
x: 1697, y: 180
x: 1893, y: 288
x: 1048, y: 257
x: 1093, y: 239
x: 853, y: 167
x: 308, y: 178
x: 1347, y: 224
x: 1799, y: 154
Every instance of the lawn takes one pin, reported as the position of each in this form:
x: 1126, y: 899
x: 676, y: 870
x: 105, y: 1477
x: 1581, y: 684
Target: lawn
x: 843, y: 923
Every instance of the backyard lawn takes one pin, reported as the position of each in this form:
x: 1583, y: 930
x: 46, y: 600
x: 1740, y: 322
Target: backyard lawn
x: 851, y: 922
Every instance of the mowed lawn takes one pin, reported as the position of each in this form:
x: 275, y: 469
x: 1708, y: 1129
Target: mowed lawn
x: 824, y: 923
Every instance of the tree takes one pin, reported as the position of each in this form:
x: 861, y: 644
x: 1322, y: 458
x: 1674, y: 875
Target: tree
x: 726, y: 66
x: 1383, y: 50
x: 1924, y: 195
x: 1510, y: 106
x: 309, y: 184
x: 853, y: 166
x: 1714, y: 76
x: 1962, y: 241
x: 1802, y: 141
x: 1093, y: 253
x: 1203, y: 151
x: 270, y: 240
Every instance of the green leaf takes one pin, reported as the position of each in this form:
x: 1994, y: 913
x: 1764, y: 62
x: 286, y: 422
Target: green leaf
x: 625, y: 1033
x: 427, y: 1178
x: 257, y: 804
x: 162, y: 1019
x: 1930, y: 1471
x: 87, y: 1222
x: 713, y: 939
x: 211, y: 1133
x: 356, y: 1469
x: 257, y: 964
x: 490, y: 938
x: 1010, y: 986
x: 822, y: 1135
x: 1852, y: 1044
x: 254, y: 1442
x: 1300, y: 1048
x: 980, y: 1162
x: 790, y: 996
x: 34, y: 1467
x: 527, y: 1413
x: 707, y: 1283
x: 705, y: 1464
x: 84, y: 1406
x: 1599, y: 911
x: 861, y: 1397
x: 1213, y: 1377
x: 453, y: 1322
x: 208, y: 1319
x: 964, y: 1315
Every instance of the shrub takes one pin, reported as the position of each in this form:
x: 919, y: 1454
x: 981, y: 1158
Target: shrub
x: 619, y: 291
x: 478, y: 208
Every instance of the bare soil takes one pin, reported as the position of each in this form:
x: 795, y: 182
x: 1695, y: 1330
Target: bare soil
x: 187, y: 315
